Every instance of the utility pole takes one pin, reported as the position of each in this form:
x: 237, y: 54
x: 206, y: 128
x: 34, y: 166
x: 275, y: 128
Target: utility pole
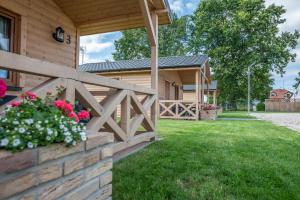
x: 82, y: 49
x: 249, y: 89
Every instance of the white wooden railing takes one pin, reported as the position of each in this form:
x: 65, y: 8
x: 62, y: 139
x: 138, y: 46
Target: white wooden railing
x: 135, y: 124
x: 179, y: 109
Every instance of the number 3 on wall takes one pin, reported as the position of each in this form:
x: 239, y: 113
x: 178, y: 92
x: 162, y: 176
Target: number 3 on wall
x: 68, y: 40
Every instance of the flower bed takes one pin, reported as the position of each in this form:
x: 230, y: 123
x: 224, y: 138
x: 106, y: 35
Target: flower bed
x: 208, y: 112
x: 34, y: 122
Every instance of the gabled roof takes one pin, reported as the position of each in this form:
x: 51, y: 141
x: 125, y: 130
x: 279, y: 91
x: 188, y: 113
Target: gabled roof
x: 144, y: 64
x: 280, y: 94
x: 211, y: 86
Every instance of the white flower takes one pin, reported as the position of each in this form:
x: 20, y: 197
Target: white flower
x: 18, y: 114
x: 16, y: 142
x: 30, y: 145
x: 4, y: 120
x: 37, y: 126
x: 74, y: 128
x: 74, y: 143
x: 83, y: 138
x: 67, y: 133
x: 82, y: 134
x: 66, y: 129
x: 15, y: 122
x: 68, y: 139
x: 49, y: 131
x: 48, y: 138
x: 22, y: 130
x: 61, y: 126
x: 39, y: 122
x: 4, y: 142
x: 29, y: 121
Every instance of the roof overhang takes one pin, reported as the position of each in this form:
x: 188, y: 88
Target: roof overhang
x: 102, y: 16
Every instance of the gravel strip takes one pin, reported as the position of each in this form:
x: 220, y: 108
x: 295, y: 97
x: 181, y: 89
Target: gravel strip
x: 289, y: 120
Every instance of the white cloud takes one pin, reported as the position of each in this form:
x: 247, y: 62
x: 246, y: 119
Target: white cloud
x: 95, y: 43
x: 177, y: 5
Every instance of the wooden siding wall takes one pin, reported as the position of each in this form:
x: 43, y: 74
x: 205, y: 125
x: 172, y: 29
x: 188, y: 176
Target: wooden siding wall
x: 189, y: 95
x: 39, y: 19
x: 170, y: 76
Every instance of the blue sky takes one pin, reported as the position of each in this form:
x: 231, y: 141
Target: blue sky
x: 100, y: 47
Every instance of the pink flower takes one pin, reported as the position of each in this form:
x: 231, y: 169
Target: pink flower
x: 3, y: 88
x: 73, y: 115
x: 15, y: 104
x: 60, y: 104
x: 29, y: 95
x: 68, y: 108
x: 83, y: 114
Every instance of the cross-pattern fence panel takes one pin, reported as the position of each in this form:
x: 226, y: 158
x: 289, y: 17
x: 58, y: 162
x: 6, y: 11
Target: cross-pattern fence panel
x: 179, y: 109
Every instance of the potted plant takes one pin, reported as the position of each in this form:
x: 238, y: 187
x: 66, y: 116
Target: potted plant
x: 33, y: 122
x: 208, y: 112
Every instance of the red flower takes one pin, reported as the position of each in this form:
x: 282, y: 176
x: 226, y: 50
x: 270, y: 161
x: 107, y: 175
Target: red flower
x: 73, y: 115
x: 68, y: 108
x: 3, y: 88
x: 83, y: 114
x: 15, y: 103
x: 29, y: 95
x: 60, y: 104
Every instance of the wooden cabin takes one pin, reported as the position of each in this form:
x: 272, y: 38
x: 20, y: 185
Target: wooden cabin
x: 39, y: 51
x: 175, y: 73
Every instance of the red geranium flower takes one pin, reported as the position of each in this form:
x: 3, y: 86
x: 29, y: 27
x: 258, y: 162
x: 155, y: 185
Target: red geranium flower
x: 3, y: 88
x: 60, y: 104
x: 68, y: 108
x: 84, y: 114
x: 29, y: 95
x: 73, y: 115
x: 15, y: 103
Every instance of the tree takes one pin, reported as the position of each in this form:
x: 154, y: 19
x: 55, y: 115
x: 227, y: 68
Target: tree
x: 173, y: 40
x: 297, y: 79
x: 236, y: 34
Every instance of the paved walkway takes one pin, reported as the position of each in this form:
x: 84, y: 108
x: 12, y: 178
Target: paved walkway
x: 290, y: 120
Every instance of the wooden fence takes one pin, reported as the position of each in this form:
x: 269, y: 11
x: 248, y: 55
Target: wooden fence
x: 281, y: 105
x: 137, y: 121
x: 179, y: 109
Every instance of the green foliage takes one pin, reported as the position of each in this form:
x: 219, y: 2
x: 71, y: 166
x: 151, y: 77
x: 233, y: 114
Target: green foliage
x: 297, y: 79
x: 173, y: 39
x: 260, y: 106
x: 249, y: 159
x: 36, y: 122
x: 236, y: 34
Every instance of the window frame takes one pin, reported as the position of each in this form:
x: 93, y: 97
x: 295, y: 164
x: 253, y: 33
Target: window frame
x: 15, y: 28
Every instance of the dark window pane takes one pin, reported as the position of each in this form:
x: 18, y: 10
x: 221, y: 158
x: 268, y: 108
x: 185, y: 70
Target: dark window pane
x: 4, y: 40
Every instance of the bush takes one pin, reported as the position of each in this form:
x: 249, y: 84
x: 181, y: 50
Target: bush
x: 260, y: 107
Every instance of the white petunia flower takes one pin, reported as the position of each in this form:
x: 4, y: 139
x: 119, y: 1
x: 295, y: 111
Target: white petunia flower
x: 37, y: 126
x: 74, y: 128
x: 4, y: 142
x: 74, y: 143
x: 83, y: 138
x: 49, y: 131
x: 48, y: 138
x: 18, y: 114
x: 22, y: 130
x: 67, y: 133
x: 68, y: 139
x: 29, y: 121
x: 46, y: 121
x: 15, y: 122
x: 66, y: 129
x: 39, y: 122
x: 30, y: 145
x: 61, y: 126
x: 16, y: 142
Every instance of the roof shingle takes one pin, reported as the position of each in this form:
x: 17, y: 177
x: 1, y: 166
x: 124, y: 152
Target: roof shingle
x: 144, y: 64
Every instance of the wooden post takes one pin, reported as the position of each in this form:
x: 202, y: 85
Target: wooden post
x: 154, y: 69
x: 214, y: 97
x: 198, y: 91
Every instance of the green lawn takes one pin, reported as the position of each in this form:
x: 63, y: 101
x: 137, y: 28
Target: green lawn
x: 213, y: 160
x: 235, y: 114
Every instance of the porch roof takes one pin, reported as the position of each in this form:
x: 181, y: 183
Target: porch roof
x: 101, y: 16
x: 144, y: 64
x: 211, y: 86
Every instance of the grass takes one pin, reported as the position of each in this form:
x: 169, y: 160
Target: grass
x: 213, y: 160
x: 235, y: 114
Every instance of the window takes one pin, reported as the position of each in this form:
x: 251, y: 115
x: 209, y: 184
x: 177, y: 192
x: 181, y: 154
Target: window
x: 9, y: 41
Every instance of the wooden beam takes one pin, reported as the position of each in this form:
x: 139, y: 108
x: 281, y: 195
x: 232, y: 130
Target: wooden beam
x: 148, y: 22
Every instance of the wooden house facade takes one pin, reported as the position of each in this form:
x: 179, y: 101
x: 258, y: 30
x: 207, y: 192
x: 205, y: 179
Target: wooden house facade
x: 175, y: 73
x: 39, y: 51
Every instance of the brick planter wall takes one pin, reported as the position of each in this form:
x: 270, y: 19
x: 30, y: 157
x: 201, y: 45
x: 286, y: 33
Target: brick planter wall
x: 208, y: 114
x: 59, y: 172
